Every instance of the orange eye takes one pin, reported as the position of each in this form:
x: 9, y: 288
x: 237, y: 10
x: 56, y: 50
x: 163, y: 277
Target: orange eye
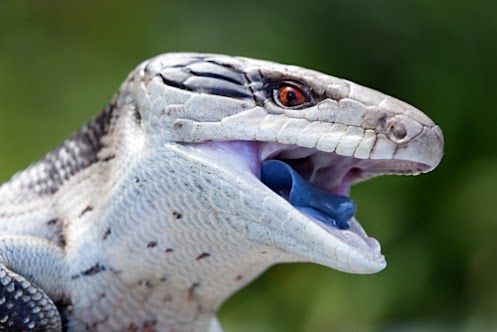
x: 290, y: 96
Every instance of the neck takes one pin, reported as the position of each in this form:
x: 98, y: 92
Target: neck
x: 168, y: 248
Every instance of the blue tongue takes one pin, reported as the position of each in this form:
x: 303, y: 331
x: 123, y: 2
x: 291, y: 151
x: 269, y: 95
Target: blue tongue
x: 332, y: 210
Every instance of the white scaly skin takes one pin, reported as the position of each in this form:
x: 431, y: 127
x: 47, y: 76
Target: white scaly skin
x: 161, y: 229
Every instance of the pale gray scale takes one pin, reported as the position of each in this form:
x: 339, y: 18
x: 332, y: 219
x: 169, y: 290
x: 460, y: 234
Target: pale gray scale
x: 176, y: 76
x: 182, y: 60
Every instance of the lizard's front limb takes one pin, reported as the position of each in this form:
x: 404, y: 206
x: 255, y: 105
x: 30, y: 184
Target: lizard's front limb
x: 32, y: 274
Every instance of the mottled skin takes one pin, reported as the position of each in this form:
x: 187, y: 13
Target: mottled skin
x: 153, y: 214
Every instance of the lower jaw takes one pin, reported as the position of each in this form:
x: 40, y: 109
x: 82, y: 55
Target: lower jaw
x: 247, y: 157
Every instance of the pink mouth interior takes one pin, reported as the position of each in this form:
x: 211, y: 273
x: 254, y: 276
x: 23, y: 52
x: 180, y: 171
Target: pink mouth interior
x: 328, y: 172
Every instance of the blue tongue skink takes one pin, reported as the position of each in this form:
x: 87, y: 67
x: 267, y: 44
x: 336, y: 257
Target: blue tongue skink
x: 332, y: 210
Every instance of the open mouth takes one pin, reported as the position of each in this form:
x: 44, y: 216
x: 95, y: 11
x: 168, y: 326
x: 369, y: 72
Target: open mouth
x: 327, y: 208
x: 315, y: 188
x: 318, y: 183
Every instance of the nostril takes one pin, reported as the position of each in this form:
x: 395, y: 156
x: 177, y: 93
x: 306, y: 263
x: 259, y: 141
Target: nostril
x: 397, y: 132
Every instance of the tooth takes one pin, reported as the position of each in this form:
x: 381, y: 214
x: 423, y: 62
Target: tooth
x: 350, y: 141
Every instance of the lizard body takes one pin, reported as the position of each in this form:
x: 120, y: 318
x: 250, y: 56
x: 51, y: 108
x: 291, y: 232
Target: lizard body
x: 154, y: 213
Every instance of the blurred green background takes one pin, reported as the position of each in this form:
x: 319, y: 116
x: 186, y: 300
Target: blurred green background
x: 61, y: 61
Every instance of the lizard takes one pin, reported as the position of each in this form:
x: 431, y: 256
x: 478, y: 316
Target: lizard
x: 160, y: 208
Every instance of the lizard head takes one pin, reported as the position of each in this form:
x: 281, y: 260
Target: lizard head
x: 235, y: 114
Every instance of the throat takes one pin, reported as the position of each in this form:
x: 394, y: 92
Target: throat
x: 179, y: 254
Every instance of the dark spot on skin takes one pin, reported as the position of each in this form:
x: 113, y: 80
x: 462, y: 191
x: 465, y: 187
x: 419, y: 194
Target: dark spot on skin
x: 107, y: 233
x: 382, y: 121
x: 94, y: 270
x: 198, y: 311
x: 109, y: 158
x: 203, y: 255
x: 137, y: 180
x: 65, y: 309
x: 145, y: 283
x: 263, y: 252
x: 115, y: 271
x: 169, y: 250
x: 152, y: 244
x: 191, y: 290
x: 138, y: 116
x: 52, y: 221
x: 87, y: 209
x: 94, y: 326
x: 238, y: 277
x: 177, y: 215
x: 132, y: 328
x: 177, y: 125
x: 62, y: 240
x: 149, y: 326
x: 163, y: 279
x: 59, y: 230
x: 168, y: 298
x: 97, y: 268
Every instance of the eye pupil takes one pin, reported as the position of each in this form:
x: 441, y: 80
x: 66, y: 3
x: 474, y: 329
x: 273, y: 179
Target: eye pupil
x: 290, y: 96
